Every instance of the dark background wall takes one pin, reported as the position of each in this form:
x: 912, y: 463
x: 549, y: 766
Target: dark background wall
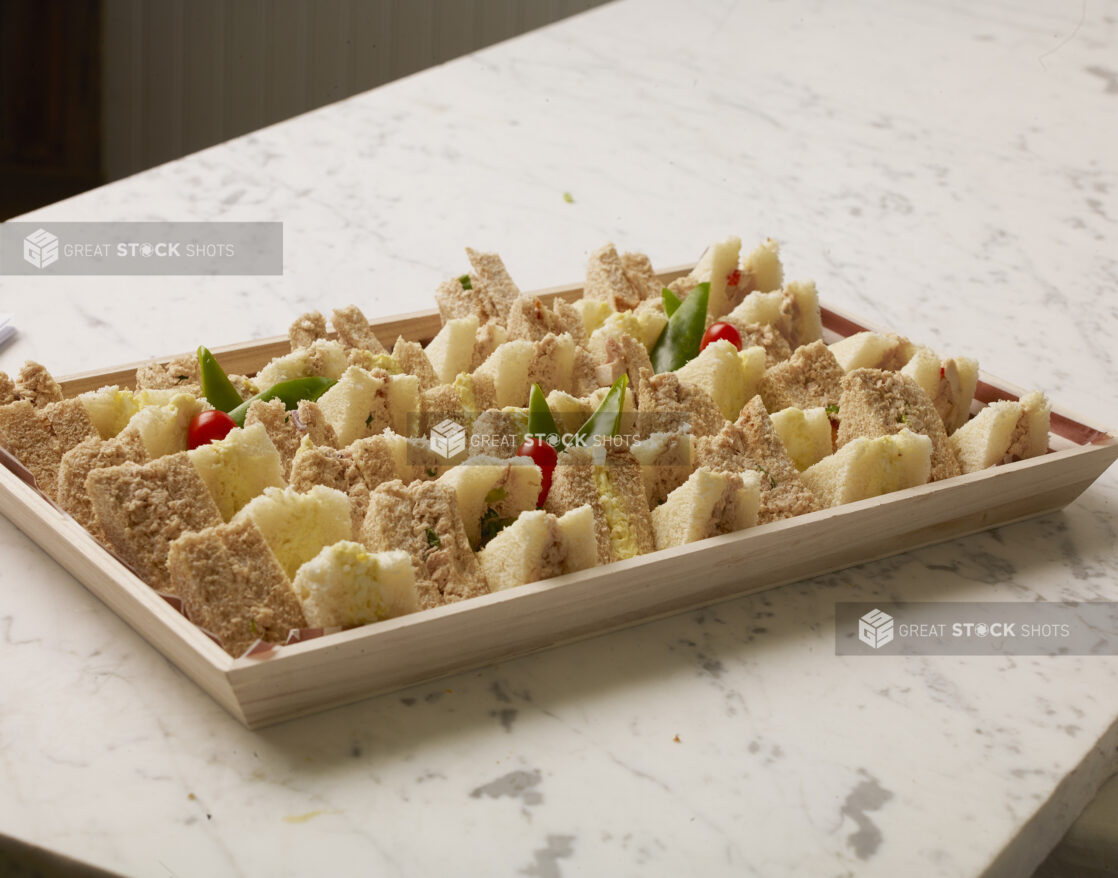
x: 95, y: 90
x: 50, y: 101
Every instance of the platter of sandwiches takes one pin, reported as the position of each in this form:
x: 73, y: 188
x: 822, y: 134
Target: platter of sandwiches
x: 305, y: 521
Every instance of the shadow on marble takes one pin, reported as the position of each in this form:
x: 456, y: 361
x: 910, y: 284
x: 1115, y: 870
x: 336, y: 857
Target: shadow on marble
x: 18, y: 859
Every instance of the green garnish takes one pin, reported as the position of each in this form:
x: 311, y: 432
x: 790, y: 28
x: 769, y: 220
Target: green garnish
x: 216, y: 386
x: 495, y: 496
x: 607, y: 417
x: 567, y: 197
x: 679, y: 342
x: 541, y: 422
x: 671, y: 301
x: 369, y: 420
x: 433, y: 539
x: 292, y: 392
x: 492, y: 524
x: 465, y: 281
x: 772, y: 481
x: 431, y: 472
x: 252, y: 625
x: 902, y: 418
x: 605, y: 421
x: 832, y: 409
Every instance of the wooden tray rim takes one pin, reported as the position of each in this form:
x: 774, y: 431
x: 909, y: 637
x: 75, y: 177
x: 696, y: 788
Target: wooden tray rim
x: 742, y: 537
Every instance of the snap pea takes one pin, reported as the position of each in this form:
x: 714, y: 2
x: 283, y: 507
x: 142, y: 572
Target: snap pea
x: 292, y: 392
x: 607, y: 417
x: 216, y: 386
x: 671, y: 301
x: 605, y: 420
x: 541, y: 422
x: 679, y: 342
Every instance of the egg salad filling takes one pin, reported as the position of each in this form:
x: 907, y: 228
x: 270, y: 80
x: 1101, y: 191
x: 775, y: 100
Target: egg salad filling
x: 464, y: 386
x: 622, y: 540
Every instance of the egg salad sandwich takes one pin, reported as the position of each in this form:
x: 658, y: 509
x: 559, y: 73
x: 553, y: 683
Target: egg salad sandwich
x: 609, y: 481
x: 346, y: 585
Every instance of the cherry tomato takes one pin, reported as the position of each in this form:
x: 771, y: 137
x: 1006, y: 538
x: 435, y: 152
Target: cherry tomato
x: 545, y: 457
x: 207, y: 427
x: 733, y: 278
x: 721, y: 332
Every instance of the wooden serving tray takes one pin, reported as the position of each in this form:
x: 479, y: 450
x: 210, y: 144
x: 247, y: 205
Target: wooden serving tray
x: 315, y: 674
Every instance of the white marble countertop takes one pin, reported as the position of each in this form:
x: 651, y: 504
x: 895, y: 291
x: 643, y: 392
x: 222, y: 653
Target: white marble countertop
x: 942, y: 168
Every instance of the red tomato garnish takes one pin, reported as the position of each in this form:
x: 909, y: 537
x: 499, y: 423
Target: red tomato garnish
x: 207, y: 427
x: 543, y: 456
x: 733, y: 278
x: 942, y: 372
x: 721, y: 332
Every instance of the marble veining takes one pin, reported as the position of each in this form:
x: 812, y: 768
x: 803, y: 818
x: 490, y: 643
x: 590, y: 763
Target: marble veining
x: 941, y: 168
